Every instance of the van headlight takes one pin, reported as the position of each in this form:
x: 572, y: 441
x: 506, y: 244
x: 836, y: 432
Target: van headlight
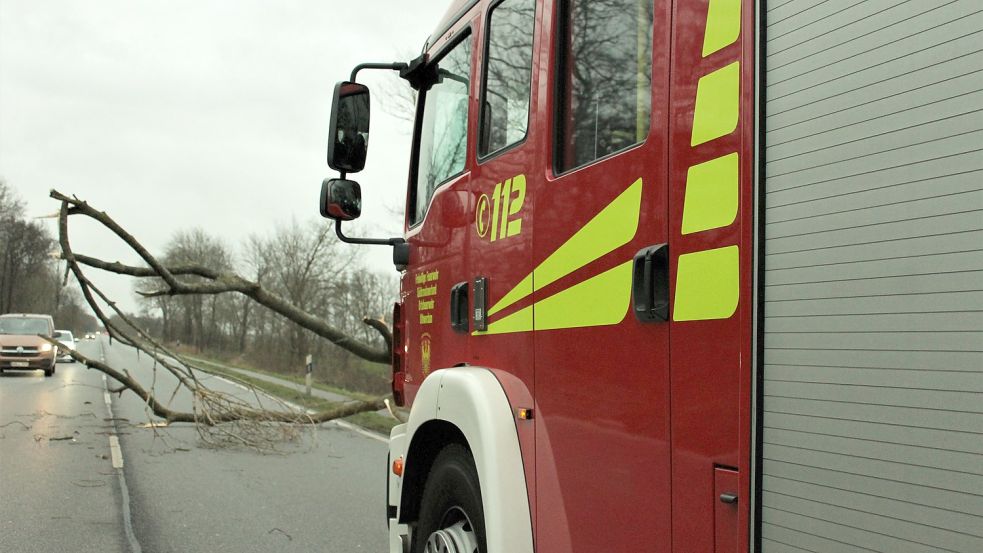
x: 45, y: 347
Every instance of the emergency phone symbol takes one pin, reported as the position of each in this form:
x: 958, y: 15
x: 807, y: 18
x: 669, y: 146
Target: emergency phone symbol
x: 503, y: 217
x: 482, y: 216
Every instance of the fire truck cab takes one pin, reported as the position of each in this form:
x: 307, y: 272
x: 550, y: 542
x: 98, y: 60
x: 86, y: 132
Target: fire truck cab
x: 693, y: 275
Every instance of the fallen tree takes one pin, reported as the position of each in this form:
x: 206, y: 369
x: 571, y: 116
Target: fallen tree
x: 217, y: 415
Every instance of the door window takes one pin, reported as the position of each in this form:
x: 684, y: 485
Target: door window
x: 508, y: 75
x: 604, y: 79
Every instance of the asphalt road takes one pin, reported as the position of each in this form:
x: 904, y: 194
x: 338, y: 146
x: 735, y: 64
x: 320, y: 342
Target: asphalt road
x: 60, y: 490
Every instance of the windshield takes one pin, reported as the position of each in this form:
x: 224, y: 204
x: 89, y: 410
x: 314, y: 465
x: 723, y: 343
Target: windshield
x: 24, y: 325
x: 66, y: 336
x: 444, y: 127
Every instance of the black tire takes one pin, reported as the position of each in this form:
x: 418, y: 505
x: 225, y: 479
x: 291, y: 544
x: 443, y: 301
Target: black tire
x: 451, y: 496
x: 49, y: 371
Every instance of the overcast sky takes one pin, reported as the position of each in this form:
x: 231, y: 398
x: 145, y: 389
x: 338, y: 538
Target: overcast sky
x: 175, y: 114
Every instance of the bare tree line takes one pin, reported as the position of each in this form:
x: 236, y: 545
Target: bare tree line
x: 202, y: 292
x: 29, y: 277
x: 304, y: 293
x: 300, y: 262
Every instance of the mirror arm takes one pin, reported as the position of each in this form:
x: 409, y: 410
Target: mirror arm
x: 369, y: 241
x: 445, y: 74
x: 395, y: 66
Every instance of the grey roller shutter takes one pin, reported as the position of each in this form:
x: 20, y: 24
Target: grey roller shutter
x: 872, y: 435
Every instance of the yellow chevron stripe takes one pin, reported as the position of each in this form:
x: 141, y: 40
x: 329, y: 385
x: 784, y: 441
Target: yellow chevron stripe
x: 610, y: 229
x: 599, y: 301
x: 520, y: 321
x: 717, y: 103
x: 711, y: 194
x: 521, y: 290
x: 723, y: 25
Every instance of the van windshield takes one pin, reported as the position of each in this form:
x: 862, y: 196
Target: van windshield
x: 24, y: 325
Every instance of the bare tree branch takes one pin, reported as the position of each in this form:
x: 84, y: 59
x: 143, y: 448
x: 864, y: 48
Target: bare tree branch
x: 221, y: 419
x: 234, y: 411
x: 382, y: 328
x: 213, y: 411
x: 216, y: 283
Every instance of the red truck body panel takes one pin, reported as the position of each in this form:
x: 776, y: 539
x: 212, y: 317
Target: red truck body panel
x: 638, y: 427
x: 711, y: 359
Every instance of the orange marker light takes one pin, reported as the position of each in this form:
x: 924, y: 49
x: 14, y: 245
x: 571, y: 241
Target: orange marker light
x: 398, y: 466
x: 525, y: 414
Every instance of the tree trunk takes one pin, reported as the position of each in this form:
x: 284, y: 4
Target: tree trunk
x: 243, y: 331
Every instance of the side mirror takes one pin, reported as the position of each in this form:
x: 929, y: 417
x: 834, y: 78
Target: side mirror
x: 348, y: 135
x: 341, y: 199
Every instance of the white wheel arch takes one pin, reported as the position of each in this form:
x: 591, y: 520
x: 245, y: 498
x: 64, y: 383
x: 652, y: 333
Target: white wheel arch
x: 473, y: 401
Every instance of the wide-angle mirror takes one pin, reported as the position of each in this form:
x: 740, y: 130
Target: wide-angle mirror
x: 341, y: 199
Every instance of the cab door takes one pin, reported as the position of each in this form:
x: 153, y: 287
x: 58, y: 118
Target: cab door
x: 602, y: 373
x: 511, y: 151
x: 437, y: 210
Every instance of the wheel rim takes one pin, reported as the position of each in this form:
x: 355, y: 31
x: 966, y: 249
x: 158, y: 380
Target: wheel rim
x: 456, y: 537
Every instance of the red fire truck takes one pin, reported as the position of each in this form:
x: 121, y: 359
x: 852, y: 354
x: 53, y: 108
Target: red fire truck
x: 692, y: 276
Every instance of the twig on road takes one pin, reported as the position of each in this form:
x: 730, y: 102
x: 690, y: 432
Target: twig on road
x: 89, y: 483
x: 289, y: 537
x: 26, y: 427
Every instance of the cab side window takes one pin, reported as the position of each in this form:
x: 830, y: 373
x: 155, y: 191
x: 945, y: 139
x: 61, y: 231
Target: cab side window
x: 604, y: 79
x: 508, y: 75
x: 443, y: 127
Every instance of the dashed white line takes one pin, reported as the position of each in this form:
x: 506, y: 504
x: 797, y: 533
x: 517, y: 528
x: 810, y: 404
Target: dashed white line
x: 117, y: 457
x: 114, y: 449
x: 116, y: 452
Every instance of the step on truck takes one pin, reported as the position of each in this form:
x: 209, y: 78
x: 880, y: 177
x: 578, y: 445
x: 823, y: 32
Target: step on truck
x: 698, y: 276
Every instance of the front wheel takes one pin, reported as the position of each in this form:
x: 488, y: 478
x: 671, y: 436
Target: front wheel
x: 451, y: 517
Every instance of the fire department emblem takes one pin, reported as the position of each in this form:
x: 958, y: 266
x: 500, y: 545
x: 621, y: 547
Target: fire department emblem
x: 425, y: 353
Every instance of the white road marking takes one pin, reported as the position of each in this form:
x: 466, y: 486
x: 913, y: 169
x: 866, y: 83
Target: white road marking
x: 234, y: 383
x: 114, y: 448
x: 116, y: 452
x: 362, y: 431
x: 117, y: 456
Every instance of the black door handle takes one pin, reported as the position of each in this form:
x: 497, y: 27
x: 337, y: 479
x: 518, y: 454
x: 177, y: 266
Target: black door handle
x: 728, y: 497
x: 459, y: 307
x: 650, y: 284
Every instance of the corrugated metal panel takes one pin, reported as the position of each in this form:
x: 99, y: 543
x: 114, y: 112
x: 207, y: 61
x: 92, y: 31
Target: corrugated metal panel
x: 873, y: 338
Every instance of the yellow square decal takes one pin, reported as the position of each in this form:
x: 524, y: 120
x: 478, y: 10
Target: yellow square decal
x: 718, y: 97
x: 707, y: 285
